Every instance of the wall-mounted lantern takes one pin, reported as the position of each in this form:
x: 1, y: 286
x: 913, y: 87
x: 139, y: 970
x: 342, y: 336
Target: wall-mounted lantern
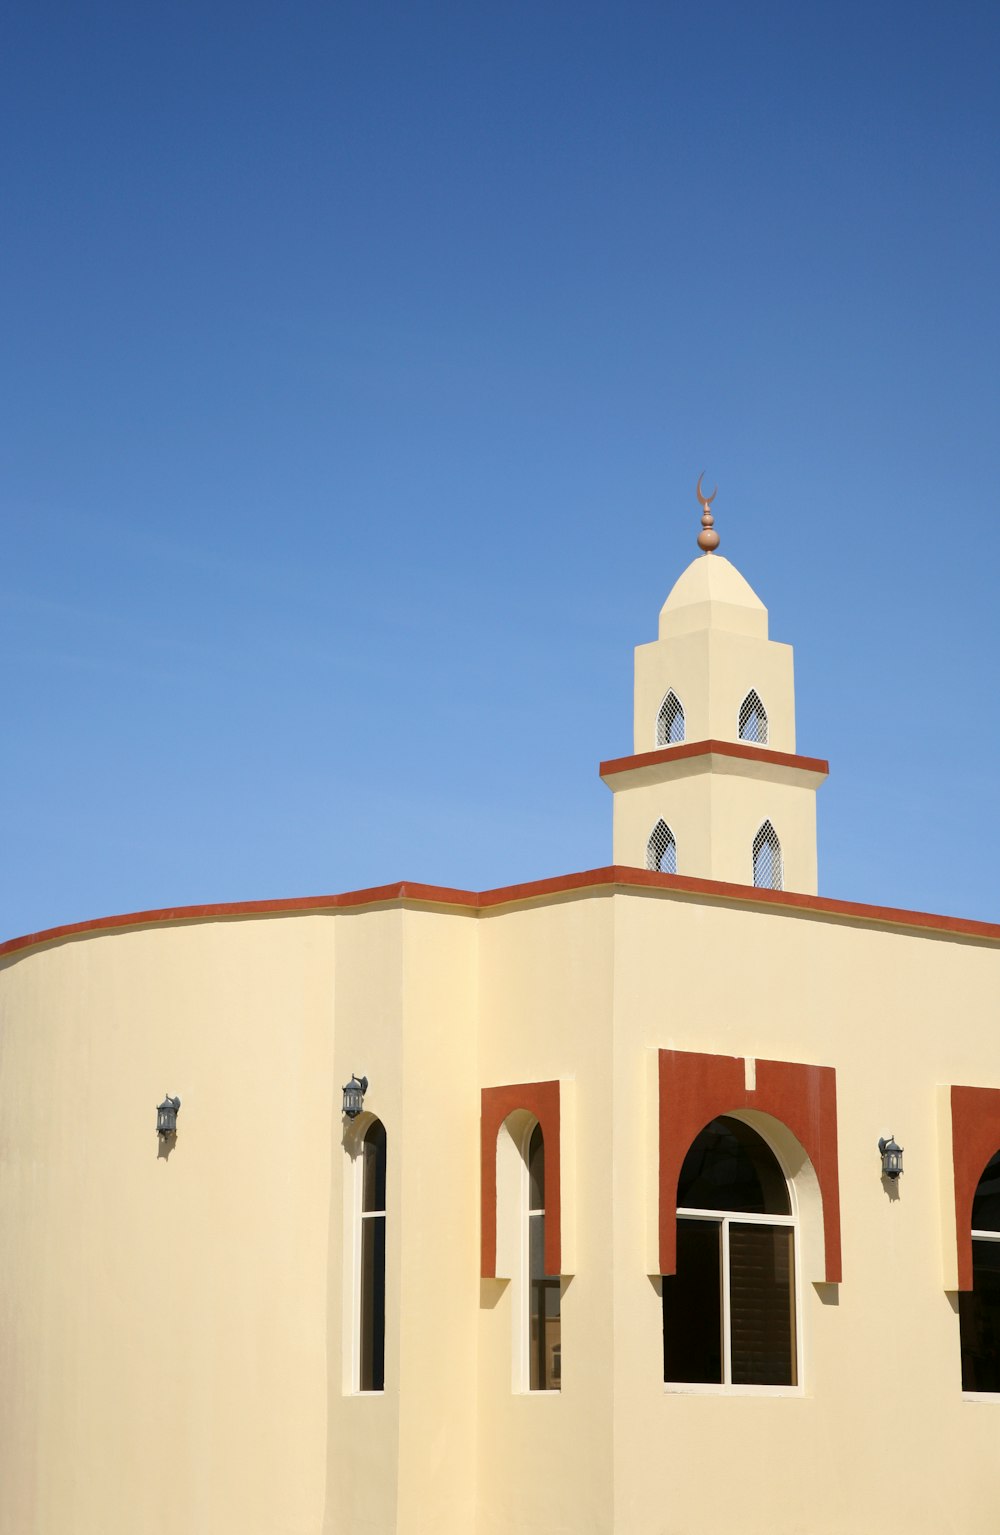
x: 354, y: 1096
x: 892, y: 1157
x: 166, y: 1116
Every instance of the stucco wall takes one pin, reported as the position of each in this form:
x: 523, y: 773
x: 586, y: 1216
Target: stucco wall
x: 161, y: 1349
x: 175, y: 1332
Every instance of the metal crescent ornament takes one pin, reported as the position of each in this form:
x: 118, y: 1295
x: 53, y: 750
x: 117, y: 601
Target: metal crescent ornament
x: 705, y: 501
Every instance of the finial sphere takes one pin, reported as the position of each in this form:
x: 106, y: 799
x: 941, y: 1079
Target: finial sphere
x: 708, y: 539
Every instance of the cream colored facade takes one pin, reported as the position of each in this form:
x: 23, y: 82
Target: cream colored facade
x: 176, y: 1331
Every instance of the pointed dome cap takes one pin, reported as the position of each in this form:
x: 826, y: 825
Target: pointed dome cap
x: 711, y: 594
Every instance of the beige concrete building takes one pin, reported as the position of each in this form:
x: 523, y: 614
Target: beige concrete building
x: 472, y: 1307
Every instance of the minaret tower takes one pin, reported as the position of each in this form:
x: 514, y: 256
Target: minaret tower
x: 715, y: 788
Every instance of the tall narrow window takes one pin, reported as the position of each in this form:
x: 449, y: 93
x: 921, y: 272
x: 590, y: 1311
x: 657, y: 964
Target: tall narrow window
x: 753, y: 719
x: 544, y: 1343
x: 661, y: 849
x: 979, y: 1308
x: 670, y: 721
x: 729, y: 1310
x: 371, y: 1342
x: 767, y: 868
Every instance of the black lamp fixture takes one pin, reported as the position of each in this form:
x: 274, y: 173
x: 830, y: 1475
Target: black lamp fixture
x: 892, y: 1157
x: 166, y: 1116
x: 354, y: 1096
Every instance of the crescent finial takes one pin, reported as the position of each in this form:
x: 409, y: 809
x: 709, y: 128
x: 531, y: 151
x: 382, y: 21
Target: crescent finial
x: 706, y: 501
x: 708, y: 539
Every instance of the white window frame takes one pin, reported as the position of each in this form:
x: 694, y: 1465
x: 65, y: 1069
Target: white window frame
x: 725, y: 1218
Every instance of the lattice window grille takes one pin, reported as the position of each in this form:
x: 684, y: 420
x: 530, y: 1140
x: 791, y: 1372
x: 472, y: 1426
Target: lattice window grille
x: 661, y: 850
x: 670, y: 721
x: 767, y: 870
x: 753, y: 719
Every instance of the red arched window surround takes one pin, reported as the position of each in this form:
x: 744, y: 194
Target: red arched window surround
x: 542, y: 1100
x: 975, y: 1136
x: 696, y: 1088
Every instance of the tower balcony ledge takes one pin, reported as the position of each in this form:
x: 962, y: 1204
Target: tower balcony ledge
x: 735, y: 758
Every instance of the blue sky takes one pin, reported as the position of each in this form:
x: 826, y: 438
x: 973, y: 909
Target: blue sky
x: 359, y: 363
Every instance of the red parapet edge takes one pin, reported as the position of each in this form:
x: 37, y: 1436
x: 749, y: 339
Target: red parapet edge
x: 611, y: 877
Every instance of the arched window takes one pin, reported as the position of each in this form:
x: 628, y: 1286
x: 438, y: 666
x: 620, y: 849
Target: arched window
x: 729, y: 1310
x: 753, y: 719
x: 371, y: 1261
x: 670, y: 721
x: 661, y: 849
x: 979, y: 1308
x: 767, y: 868
x: 543, y: 1323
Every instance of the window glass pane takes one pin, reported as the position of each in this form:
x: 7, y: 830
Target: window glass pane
x: 979, y: 1321
x: 760, y: 1295
x: 986, y: 1205
x: 536, y: 1247
x: 543, y: 1293
x: 372, y: 1375
x: 536, y: 1170
x: 692, y: 1306
x: 373, y: 1182
x: 545, y: 1342
x: 730, y: 1168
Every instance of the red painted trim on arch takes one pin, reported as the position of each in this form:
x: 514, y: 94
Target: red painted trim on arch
x: 975, y: 1138
x: 720, y: 748
x: 695, y: 1088
x: 542, y: 1100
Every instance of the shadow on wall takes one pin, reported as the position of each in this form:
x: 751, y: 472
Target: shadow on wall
x: 490, y: 1291
x: 165, y: 1145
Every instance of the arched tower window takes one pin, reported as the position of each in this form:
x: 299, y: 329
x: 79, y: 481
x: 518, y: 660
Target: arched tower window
x: 767, y: 866
x: 753, y: 719
x: 661, y: 849
x: 670, y: 721
x: 729, y: 1310
x: 371, y: 1260
x: 979, y: 1308
x: 543, y: 1290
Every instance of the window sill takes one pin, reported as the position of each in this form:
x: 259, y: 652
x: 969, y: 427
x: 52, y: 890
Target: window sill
x: 367, y: 1393
x: 981, y: 1396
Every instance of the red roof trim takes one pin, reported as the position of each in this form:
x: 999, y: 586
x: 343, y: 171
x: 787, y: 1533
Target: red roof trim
x: 612, y: 877
x: 722, y: 748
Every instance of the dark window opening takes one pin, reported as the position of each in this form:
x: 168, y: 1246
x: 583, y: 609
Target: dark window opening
x: 372, y: 1340
x: 544, y: 1340
x: 670, y: 721
x: 753, y: 719
x: 661, y: 849
x: 729, y: 1310
x: 979, y: 1308
x: 767, y: 867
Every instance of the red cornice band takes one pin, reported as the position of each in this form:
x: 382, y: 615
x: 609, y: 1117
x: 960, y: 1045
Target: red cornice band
x: 720, y: 748
x: 610, y: 878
